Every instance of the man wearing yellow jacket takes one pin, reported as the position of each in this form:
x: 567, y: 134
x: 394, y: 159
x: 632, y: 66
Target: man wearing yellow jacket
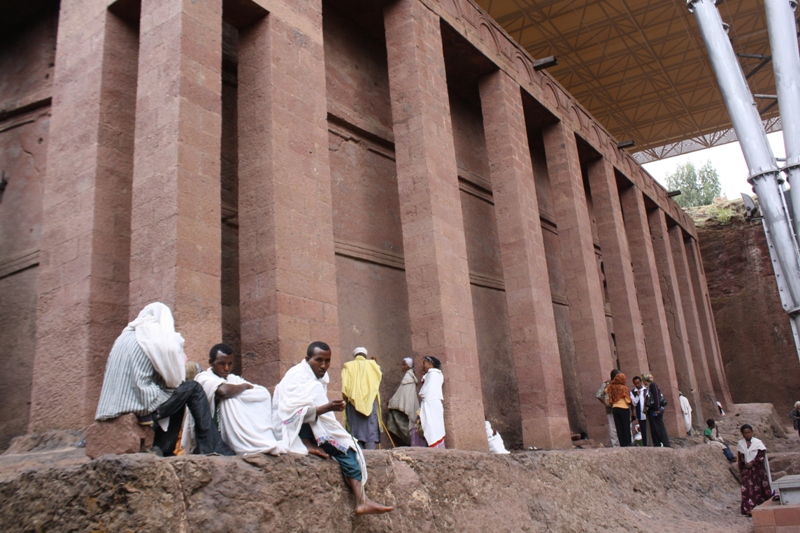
x: 361, y: 379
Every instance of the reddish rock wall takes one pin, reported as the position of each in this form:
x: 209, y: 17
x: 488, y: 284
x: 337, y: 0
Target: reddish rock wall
x: 755, y: 336
x: 354, y: 171
x: 26, y: 66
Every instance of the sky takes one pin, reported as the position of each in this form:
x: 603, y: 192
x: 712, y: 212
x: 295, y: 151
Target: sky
x: 727, y: 159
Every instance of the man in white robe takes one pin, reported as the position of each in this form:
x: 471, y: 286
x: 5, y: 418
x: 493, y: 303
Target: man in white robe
x: 686, y: 409
x: 308, y: 424
x: 242, y: 411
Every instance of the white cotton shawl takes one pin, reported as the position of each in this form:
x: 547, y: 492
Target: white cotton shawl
x: 686, y: 407
x: 431, y: 410
x: 246, y: 422
x: 156, y: 335
x: 751, y: 452
x: 496, y: 444
x: 300, y: 392
x: 405, y: 398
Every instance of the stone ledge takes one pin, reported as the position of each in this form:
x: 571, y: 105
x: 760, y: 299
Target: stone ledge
x: 118, y: 436
x: 772, y: 517
x: 432, y: 490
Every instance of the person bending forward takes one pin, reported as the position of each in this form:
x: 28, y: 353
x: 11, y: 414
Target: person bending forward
x: 309, y: 425
x: 403, y: 406
x: 145, y: 376
x: 361, y: 381
x: 242, y: 411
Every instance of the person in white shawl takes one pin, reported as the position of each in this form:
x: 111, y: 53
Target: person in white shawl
x: 242, y: 411
x: 145, y: 375
x: 752, y: 455
x: 431, y: 410
x: 403, y: 406
x: 686, y: 409
x: 308, y: 424
x: 496, y: 444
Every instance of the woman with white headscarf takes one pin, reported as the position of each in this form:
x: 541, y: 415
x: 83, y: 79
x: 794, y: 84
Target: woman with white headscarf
x: 431, y: 410
x: 403, y: 406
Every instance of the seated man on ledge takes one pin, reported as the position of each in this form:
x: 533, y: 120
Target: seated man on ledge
x: 309, y: 425
x: 241, y: 410
x: 145, y: 376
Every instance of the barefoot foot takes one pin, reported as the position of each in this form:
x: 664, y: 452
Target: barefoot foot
x: 318, y: 452
x: 313, y: 449
x: 371, y: 507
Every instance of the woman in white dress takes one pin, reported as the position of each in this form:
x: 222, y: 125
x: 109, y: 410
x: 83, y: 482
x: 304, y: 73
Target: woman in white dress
x: 431, y: 410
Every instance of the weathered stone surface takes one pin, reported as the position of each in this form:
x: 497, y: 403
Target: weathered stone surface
x: 582, y: 490
x: 118, y: 436
x: 755, y: 337
x: 343, y: 148
x: 43, y: 442
x: 26, y: 58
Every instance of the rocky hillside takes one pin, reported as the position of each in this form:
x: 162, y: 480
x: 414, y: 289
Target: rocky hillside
x: 754, y: 333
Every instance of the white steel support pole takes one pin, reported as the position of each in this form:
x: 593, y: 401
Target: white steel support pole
x: 763, y: 171
x: 786, y: 65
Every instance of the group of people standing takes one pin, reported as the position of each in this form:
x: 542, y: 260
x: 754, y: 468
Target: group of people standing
x: 414, y: 418
x: 645, y: 403
x: 641, y: 405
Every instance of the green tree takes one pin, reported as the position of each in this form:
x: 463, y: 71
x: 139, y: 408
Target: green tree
x: 697, y: 187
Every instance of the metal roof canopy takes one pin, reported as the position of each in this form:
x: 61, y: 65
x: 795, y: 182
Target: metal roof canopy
x: 640, y: 66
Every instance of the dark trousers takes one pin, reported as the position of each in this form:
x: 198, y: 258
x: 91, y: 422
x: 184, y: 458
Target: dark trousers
x: 188, y: 394
x: 622, y: 421
x: 657, y: 429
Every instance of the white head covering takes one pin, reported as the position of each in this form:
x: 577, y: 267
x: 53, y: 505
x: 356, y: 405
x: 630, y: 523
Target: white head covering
x: 156, y: 335
x: 360, y: 350
x: 410, y: 363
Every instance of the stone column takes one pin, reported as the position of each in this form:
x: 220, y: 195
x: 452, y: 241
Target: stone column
x: 705, y: 391
x: 628, y: 327
x: 85, y: 246
x: 583, y: 289
x: 175, y: 221
x: 707, y: 327
x: 286, y: 250
x: 437, y: 274
x: 676, y: 322
x: 651, y: 303
x: 533, y: 330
